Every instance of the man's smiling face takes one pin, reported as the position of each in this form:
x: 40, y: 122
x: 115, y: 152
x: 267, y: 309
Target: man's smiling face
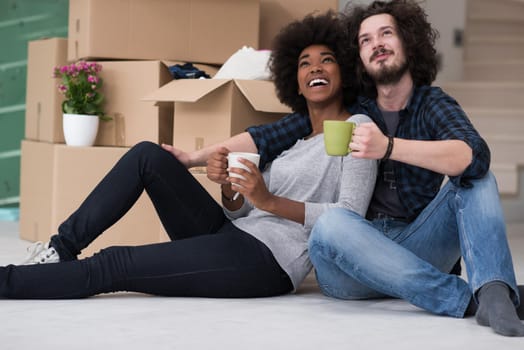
x: 381, y: 49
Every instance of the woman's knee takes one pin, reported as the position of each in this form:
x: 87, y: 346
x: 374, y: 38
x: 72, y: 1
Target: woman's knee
x: 148, y: 152
x: 145, y: 147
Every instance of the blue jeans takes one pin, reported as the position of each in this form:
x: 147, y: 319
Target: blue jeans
x: 358, y: 259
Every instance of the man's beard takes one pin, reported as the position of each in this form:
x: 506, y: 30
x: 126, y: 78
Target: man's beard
x: 389, y: 75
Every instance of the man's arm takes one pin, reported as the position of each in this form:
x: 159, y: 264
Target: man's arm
x: 268, y: 140
x: 448, y: 157
x: 448, y: 142
x: 272, y: 139
x: 241, y: 142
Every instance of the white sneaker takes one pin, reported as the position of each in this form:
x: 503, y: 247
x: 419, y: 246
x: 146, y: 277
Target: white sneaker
x: 40, y: 253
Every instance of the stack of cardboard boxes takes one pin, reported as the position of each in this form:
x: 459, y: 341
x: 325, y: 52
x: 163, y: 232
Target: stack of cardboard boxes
x: 135, y: 41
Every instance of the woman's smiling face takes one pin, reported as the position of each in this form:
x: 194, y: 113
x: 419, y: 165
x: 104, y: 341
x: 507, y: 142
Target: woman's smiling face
x: 318, y: 74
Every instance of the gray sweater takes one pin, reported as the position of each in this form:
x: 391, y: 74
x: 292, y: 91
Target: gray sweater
x: 307, y: 174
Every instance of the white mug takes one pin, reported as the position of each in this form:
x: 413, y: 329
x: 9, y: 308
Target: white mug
x: 232, y: 160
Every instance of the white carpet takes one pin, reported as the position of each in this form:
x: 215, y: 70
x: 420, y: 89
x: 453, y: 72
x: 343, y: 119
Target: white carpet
x: 306, y: 320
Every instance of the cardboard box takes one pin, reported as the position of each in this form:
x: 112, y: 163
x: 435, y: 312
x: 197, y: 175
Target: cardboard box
x: 206, y: 31
x: 210, y: 111
x: 125, y: 83
x: 43, y: 116
x: 212, y: 187
x: 56, y: 178
x: 276, y: 14
x: 133, y: 120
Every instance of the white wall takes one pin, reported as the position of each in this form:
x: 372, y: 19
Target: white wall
x: 446, y: 16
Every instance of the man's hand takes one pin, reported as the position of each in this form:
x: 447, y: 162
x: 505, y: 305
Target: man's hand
x: 182, y: 156
x: 368, y: 142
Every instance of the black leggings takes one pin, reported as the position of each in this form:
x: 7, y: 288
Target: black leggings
x: 208, y: 256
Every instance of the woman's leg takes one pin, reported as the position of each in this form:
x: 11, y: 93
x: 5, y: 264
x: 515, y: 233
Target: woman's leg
x: 230, y: 263
x: 183, y: 205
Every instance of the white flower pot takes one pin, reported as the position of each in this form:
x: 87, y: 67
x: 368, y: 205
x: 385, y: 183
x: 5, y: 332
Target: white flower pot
x: 80, y: 129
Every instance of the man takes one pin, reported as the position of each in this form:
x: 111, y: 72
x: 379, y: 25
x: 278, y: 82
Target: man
x: 415, y: 230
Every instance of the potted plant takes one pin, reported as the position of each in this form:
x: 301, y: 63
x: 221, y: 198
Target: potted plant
x: 82, y: 108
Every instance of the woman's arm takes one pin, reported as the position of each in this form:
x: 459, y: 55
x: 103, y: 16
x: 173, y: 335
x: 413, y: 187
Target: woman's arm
x: 268, y: 140
x: 254, y: 188
x: 356, y: 189
x: 357, y: 184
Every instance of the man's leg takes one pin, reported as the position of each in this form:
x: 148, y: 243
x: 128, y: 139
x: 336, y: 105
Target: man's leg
x: 487, y: 256
x: 364, y: 253
x: 447, y: 223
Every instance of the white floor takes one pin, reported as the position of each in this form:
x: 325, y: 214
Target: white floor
x: 306, y: 320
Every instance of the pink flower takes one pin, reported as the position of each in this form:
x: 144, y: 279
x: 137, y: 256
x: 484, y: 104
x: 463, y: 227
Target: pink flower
x: 80, y: 84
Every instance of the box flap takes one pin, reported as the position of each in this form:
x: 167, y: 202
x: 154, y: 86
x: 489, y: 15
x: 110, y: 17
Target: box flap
x: 185, y: 90
x: 261, y: 94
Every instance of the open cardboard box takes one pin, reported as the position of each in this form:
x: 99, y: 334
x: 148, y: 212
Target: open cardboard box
x: 209, y: 111
x: 133, y: 120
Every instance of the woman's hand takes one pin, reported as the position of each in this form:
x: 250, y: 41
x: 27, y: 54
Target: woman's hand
x: 252, y: 186
x: 217, y: 166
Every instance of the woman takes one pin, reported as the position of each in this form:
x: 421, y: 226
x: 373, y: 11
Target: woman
x: 258, y: 247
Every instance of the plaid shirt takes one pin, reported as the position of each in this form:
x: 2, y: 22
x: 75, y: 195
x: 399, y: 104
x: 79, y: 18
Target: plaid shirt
x: 430, y: 115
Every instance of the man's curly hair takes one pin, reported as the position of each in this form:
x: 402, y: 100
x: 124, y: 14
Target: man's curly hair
x: 416, y: 34
x: 324, y: 29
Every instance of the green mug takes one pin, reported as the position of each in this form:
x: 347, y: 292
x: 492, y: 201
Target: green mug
x: 337, y: 136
